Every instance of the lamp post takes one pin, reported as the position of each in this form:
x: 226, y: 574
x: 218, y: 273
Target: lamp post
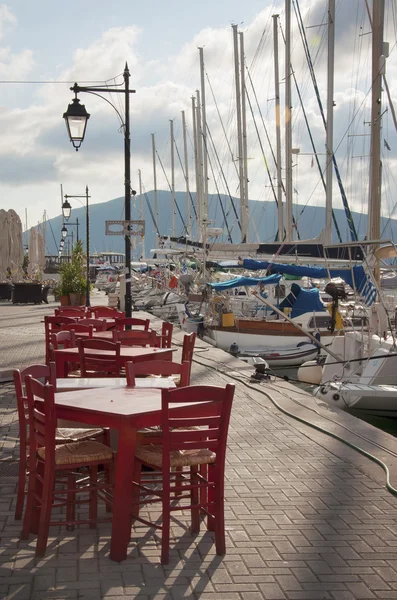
x: 76, y: 118
x: 66, y: 211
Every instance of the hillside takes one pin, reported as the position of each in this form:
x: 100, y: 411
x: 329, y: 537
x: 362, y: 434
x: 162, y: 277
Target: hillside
x: 264, y: 215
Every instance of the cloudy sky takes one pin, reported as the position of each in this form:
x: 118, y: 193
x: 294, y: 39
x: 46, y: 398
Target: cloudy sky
x: 46, y: 46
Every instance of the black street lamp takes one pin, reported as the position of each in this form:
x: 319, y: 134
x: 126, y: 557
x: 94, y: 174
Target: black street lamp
x: 67, y: 207
x: 66, y: 210
x: 64, y: 231
x: 76, y: 118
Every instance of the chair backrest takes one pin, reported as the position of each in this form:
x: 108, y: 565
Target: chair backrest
x: 42, y: 419
x: 98, y: 324
x: 210, y: 431
x: 165, y: 368
x: 63, y: 339
x: 98, y: 364
x: 106, y: 311
x: 135, y: 338
x: 122, y: 323
x: 188, y: 348
x: 52, y: 324
x: 45, y: 372
x: 72, y: 311
x: 166, y: 334
x: 87, y: 330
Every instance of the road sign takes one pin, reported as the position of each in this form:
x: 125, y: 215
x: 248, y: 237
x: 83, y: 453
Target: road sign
x: 125, y: 228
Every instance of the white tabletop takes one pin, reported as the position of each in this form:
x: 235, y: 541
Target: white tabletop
x: 85, y: 383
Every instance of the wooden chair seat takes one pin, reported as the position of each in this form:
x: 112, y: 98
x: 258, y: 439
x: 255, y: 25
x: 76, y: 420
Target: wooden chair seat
x: 64, y: 435
x: 157, y: 431
x: 79, y: 452
x: 153, y: 455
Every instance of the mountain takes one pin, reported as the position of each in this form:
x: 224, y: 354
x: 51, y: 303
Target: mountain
x: 310, y: 222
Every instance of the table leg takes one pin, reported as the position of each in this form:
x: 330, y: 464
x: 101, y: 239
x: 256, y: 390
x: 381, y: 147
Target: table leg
x: 122, y: 500
x: 60, y: 366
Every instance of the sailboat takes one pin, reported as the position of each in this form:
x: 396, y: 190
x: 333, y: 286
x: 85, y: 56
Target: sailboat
x: 364, y: 380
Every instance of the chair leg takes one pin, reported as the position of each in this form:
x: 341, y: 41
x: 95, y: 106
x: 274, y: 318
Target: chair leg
x: 71, y: 501
x: 165, y: 538
x: 38, y: 490
x: 30, y: 504
x: 93, y: 511
x: 21, y: 484
x: 136, y: 492
x: 195, y: 512
x: 45, y: 513
x: 211, y: 498
x: 220, y: 541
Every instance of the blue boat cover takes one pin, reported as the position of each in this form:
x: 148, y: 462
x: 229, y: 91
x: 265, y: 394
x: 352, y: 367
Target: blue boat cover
x: 302, y: 301
x: 243, y: 281
x: 356, y: 277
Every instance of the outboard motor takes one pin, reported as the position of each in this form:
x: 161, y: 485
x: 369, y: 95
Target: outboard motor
x: 234, y: 349
x: 337, y: 292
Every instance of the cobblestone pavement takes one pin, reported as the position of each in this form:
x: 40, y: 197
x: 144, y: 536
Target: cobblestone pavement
x: 307, y: 518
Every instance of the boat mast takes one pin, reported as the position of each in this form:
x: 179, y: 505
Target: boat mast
x: 156, y: 205
x: 330, y: 122
x: 243, y: 212
x: 288, y: 125
x: 202, y: 221
x: 172, y: 177
x: 196, y: 166
x: 141, y: 208
x: 278, y: 133
x: 204, y: 138
x: 186, y: 172
x: 244, y: 130
x: 378, y: 68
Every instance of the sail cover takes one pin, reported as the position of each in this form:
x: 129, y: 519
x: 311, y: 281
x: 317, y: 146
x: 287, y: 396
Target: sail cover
x: 356, y: 277
x: 244, y: 281
x: 302, y: 301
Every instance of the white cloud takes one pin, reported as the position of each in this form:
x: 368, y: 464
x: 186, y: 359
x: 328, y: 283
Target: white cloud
x: 7, y: 20
x: 34, y: 138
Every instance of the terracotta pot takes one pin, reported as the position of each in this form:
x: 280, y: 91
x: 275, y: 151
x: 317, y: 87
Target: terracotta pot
x: 64, y: 300
x: 74, y: 299
x: 82, y: 299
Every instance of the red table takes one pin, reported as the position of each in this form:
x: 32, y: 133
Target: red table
x: 125, y: 409
x: 127, y: 353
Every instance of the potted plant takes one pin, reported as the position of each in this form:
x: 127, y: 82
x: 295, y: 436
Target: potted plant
x: 73, y: 276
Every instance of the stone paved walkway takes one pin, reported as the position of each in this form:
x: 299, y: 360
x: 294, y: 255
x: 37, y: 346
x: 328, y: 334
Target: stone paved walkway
x: 307, y: 517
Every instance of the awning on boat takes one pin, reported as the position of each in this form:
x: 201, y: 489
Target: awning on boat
x: 356, y: 277
x: 302, y: 301
x: 244, y: 281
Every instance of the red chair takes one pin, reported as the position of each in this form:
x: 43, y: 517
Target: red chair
x: 46, y: 458
x: 188, y: 348
x: 165, y: 368
x: 62, y: 435
x: 135, y: 338
x: 86, y: 330
x: 99, y: 365
x: 122, y: 324
x: 202, y: 450
x: 106, y: 312
x: 71, y: 311
x: 165, y: 339
x: 62, y: 339
x: 98, y: 324
x: 52, y: 324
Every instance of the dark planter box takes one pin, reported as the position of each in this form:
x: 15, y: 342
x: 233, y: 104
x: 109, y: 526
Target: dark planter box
x: 27, y: 292
x: 5, y: 291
